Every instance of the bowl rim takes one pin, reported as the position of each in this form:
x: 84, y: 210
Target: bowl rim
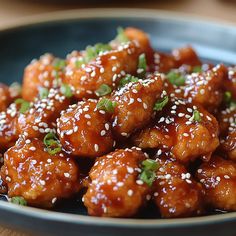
x: 106, y: 13
x: 92, y: 13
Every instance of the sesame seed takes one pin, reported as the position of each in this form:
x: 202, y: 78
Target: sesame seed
x: 96, y: 147
x: 67, y: 175
x: 139, y: 182
x: 226, y: 177
x: 42, y: 182
x: 130, y: 192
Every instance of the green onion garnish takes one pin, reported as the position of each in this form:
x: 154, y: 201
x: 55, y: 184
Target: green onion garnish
x: 52, y: 143
x: 121, y: 37
x: 19, y: 201
x: 175, y: 78
x: 196, y: 116
x: 103, y: 90
x: 227, y: 97
x: 79, y: 63
x: 43, y: 93
x: 127, y: 79
x: 161, y: 103
x: 15, y: 89
x: 142, y: 65
x: 148, y: 173
x: 106, y: 105
x: 197, y: 69
x: 59, y: 64
x: 24, y: 105
x: 93, y: 51
x: 66, y: 90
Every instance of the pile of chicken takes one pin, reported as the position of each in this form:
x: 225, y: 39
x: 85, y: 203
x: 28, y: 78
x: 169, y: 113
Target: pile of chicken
x: 125, y: 124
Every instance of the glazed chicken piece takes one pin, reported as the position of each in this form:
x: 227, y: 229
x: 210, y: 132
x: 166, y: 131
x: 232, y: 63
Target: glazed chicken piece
x: 227, y: 122
x: 186, y: 130
x: 206, y: 88
x: 115, y: 189
x: 8, y: 95
x: 84, y: 130
x: 41, y: 116
x: 43, y: 73
x: 9, y: 131
x: 176, y: 193
x: 164, y: 62
x: 36, y: 175
x: 135, y: 102
x: 107, y: 68
x: 219, y: 180
x: 230, y: 82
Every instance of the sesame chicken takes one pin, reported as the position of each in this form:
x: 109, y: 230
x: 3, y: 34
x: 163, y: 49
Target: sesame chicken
x: 41, y: 116
x: 176, y: 193
x: 9, y: 131
x: 218, y: 176
x: 41, y: 73
x: 121, y: 130
x: 205, y: 88
x: 115, y: 189
x: 188, y: 131
x: 107, y: 68
x: 41, y: 178
x: 84, y: 130
x: 135, y: 102
x: 164, y: 62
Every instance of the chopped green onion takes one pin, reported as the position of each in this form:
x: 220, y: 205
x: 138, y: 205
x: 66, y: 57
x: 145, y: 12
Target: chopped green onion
x: 43, y: 93
x: 142, y: 64
x: 197, y: 69
x: 227, y: 97
x: 24, y: 105
x: 161, y: 103
x: 93, y: 51
x: 175, y: 78
x: 79, y: 63
x: 103, y: 90
x: 127, y: 79
x: 232, y: 104
x: 59, y: 64
x: 121, y: 37
x: 66, y: 90
x: 148, y: 173
x: 196, y: 116
x: 52, y: 144
x: 19, y: 201
x: 106, y: 105
x: 15, y: 89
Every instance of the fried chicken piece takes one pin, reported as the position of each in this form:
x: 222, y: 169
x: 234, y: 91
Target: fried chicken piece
x: 230, y: 82
x: 41, y: 178
x: 9, y: 131
x: 164, y: 62
x: 107, y: 68
x: 8, y: 95
x: 228, y: 145
x: 42, y: 115
x: 206, y: 88
x: 186, y: 130
x: 176, y: 193
x: 227, y: 122
x: 135, y: 102
x: 115, y: 189
x: 84, y: 130
x: 45, y: 72
x: 219, y: 180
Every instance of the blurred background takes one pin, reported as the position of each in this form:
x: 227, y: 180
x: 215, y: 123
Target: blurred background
x: 12, y: 10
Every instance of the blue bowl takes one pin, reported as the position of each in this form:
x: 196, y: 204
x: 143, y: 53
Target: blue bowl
x: 60, y: 33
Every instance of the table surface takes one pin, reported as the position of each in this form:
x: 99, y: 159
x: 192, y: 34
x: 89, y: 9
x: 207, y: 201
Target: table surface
x: 11, y: 11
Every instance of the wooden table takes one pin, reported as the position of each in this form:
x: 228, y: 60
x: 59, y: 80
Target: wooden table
x: 11, y: 11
